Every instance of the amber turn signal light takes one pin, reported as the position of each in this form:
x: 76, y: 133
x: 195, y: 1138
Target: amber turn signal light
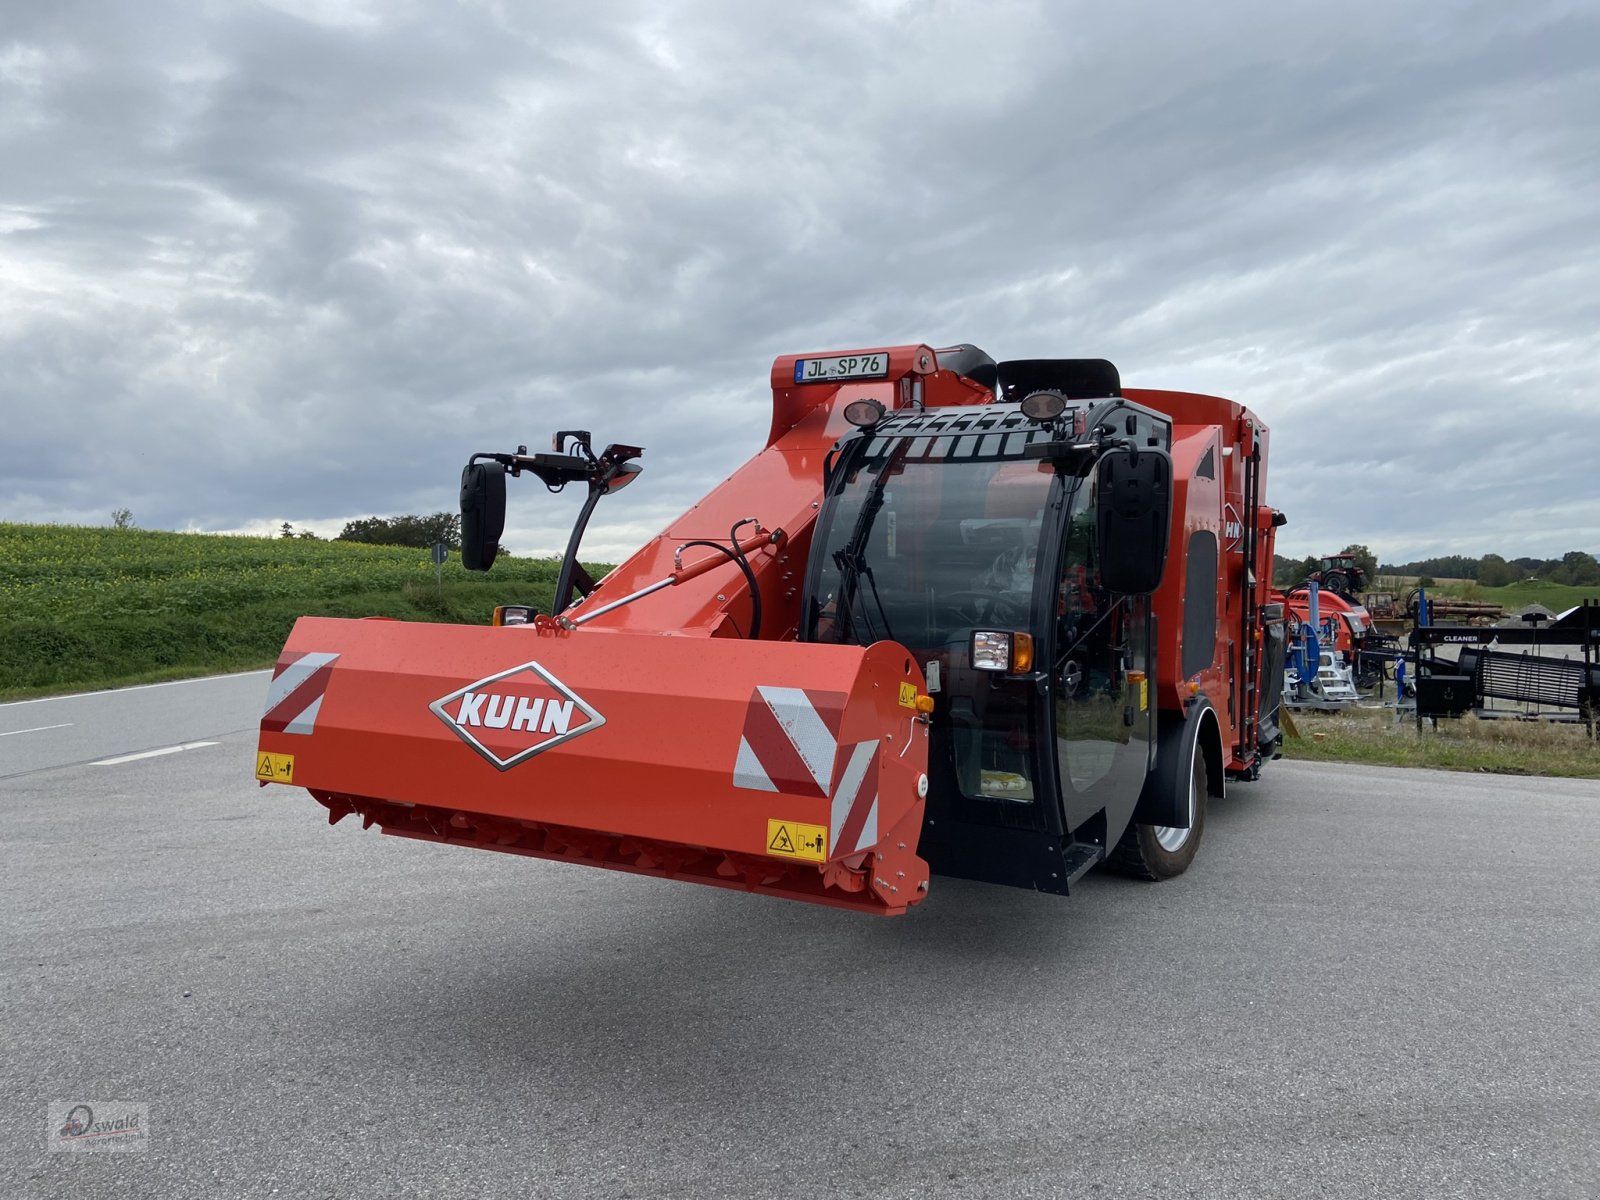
x: 1021, y: 653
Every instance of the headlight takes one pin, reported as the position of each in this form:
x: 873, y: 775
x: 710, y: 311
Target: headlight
x: 996, y: 651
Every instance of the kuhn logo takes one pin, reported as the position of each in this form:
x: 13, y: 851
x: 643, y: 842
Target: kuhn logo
x: 1232, y: 527
x: 516, y: 714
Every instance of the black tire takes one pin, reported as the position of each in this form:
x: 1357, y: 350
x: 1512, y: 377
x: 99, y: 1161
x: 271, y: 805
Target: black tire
x: 1140, y: 852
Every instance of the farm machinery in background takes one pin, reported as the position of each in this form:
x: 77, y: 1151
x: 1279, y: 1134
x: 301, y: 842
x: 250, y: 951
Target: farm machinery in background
x: 997, y: 620
x: 1336, y: 652
x: 1321, y: 632
x: 1394, y: 613
x: 1339, y: 575
x: 1546, y: 666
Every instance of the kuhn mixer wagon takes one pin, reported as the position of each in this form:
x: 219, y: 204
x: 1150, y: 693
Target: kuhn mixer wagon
x: 1002, y: 621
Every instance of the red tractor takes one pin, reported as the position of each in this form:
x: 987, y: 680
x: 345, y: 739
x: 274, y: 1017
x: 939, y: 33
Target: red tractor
x: 1341, y: 575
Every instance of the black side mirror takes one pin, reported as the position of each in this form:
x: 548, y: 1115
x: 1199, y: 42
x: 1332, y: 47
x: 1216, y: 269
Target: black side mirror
x: 483, y: 514
x: 1134, y: 519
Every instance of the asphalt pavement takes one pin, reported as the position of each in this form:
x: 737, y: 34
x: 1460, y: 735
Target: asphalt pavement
x: 151, y: 719
x: 1371, y: 983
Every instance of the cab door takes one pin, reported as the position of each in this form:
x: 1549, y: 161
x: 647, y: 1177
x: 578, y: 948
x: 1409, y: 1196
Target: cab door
x: 1100, y: 679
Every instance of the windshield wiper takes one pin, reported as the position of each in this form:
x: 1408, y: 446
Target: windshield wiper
x: 851, y: 558
x: 853, y: 568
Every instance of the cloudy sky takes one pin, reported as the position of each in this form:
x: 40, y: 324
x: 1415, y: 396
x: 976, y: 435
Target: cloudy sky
x: 296, y: 259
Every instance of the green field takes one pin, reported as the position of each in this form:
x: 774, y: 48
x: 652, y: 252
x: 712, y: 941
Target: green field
x: 95, y: 607
x: 1558, y: 597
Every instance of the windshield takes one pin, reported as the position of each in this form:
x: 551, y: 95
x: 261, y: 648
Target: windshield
x: 923, y: 550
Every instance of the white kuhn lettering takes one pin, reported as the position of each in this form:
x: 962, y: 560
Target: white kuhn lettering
x: 512, y: 715
x: 489, y: 711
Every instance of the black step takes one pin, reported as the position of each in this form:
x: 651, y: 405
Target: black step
x: 1079, y: 858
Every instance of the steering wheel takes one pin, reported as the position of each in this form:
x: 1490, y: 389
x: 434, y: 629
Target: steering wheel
x: 980, y: 608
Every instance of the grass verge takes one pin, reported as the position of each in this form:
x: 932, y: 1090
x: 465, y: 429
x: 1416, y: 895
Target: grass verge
x: 95, y: 608
x: 1468, y: 744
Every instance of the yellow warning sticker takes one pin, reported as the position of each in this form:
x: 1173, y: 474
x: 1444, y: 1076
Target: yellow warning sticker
x: 790, y: 839
x: 275, y: 768
x: 908, y: 695
x: 1144, y: 695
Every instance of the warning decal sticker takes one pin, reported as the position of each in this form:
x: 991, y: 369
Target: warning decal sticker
x: 275, y: 768
x: 791, y: 839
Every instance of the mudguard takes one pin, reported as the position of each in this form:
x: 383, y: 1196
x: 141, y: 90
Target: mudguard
x: 1179, y: 737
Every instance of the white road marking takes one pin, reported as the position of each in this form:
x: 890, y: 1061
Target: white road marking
x: 124, y: 758
x: 36, y: 729
x: 138, y: 687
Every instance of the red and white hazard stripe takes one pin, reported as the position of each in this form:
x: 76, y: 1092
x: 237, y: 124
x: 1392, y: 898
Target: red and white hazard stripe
x: 295, y: 695
x: 854, y: 823
x: 790, y: 739
x: 791, y: 744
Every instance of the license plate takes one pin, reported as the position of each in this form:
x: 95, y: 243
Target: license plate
x: 841, y: 366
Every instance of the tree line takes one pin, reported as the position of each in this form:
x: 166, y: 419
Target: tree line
x: 1577, y: 567
x: 417, y: 532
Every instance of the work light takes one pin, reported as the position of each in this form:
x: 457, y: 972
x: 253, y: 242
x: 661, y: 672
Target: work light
x: 863, y: 414
x: 993, y: 650
x: 1043, y: 406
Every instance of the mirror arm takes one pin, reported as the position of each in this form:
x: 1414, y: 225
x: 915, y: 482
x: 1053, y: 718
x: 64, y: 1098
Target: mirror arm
x: 608, y: 467
x: 569, y: 561
x: 556, y: 471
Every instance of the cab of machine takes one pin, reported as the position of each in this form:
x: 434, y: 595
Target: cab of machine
x: 986, y: 543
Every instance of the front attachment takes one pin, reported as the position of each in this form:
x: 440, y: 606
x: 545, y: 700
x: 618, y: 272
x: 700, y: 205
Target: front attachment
x: 796, y: 770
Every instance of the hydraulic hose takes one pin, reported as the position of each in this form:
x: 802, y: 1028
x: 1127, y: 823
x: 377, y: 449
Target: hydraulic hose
x: 749, y: 573
x: 736, y: 556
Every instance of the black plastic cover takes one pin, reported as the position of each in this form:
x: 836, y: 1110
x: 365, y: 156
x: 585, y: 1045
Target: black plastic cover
x: 1274, y: 648
x: 483, y: 514
x: 1134, y: 517
x: 1074, y: 378
x: 1445, y: 695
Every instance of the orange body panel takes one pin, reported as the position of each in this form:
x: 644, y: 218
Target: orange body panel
x: 1209, y: 496
x: 644, y: 753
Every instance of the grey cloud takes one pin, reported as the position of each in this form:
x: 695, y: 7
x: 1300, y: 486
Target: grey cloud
x: 264, y: 267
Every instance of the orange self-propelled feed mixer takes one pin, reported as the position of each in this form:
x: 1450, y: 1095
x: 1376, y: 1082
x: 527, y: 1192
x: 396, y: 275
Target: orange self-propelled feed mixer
x: 1002, y: 621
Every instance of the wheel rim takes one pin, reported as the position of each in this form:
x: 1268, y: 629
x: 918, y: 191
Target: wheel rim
x: 1170, y: 837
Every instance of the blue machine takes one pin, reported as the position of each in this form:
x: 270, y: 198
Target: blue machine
x: 1312, y: 676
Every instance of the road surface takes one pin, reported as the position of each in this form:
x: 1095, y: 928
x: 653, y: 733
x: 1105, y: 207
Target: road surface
x: 158, y: 717
x: 1372, y: 983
